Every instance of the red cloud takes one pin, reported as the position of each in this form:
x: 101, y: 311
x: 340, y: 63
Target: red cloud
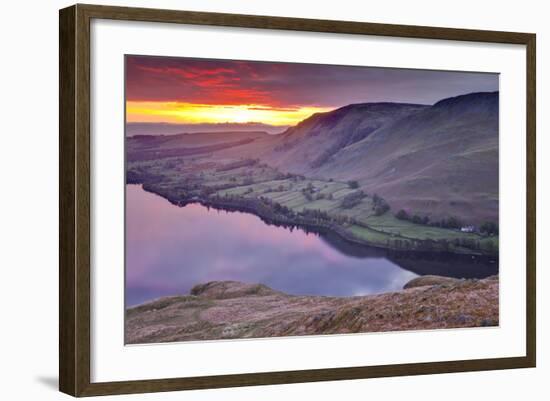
x: 187, y: 73
x: 196, y: 83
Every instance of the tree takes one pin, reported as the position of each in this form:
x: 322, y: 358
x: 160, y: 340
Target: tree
x: 353, y: 184
x: 489, y: 228
x: 490, y: 247
x: 381, y: 207
x: 352, y: 199
x: 402, y: 215
x: 444, y: 244
x: 451, y: 222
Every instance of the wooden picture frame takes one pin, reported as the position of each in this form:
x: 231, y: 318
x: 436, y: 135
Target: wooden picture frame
x: 74, y: 200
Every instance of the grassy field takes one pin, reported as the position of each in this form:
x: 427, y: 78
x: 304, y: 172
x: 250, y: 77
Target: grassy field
x: 389, y: 223
x: 404, y: 228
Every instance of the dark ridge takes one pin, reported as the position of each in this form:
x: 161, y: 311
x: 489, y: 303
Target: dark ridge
x: 479, y: 97
x: 380, y: 104
x: 182, y: 134
x: 333, y: 117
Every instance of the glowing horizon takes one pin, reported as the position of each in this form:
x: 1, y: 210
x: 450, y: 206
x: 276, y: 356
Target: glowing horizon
x: 189, y: 113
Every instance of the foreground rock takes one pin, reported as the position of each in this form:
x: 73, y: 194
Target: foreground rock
x: 429, y: 280
x: 229, y: 309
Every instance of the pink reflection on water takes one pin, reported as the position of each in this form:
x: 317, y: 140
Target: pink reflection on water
x: 154, y: 220
x: 169, y: 249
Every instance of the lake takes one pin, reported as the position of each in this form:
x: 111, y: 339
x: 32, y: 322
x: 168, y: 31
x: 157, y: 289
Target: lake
x: 169, y: 249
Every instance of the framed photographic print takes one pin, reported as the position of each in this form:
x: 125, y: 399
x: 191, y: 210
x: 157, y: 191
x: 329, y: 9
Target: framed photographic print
x: 250, y: 200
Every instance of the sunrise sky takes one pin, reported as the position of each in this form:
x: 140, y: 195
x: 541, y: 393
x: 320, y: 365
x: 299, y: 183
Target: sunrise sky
x: 199, y: 91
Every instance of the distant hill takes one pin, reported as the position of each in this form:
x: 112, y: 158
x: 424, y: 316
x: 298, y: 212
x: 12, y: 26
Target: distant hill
x: 440, y: 160
x: 147, y: 147
x: 171, y: 129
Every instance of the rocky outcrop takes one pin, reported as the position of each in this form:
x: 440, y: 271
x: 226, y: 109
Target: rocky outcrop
x: 231, y: 289
x: 429, y: 279
x: 230, y: 309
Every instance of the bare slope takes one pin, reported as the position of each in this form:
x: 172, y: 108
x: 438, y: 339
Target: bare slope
x: 229, y: 309
x: 312, y: 142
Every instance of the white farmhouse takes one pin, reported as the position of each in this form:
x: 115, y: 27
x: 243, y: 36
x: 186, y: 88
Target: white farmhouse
x: 468, y: 229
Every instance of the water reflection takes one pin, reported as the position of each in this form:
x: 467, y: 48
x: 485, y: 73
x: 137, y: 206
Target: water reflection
x: 170, y: 249
x: 422, y: 263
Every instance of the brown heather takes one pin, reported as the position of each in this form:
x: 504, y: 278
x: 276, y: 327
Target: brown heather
x: 230, y: 310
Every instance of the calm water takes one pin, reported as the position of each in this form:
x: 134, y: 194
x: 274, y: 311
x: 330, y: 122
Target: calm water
x: 169, y: 249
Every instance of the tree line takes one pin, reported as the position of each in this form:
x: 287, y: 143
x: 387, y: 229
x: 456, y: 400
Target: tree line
x: 452, y: 222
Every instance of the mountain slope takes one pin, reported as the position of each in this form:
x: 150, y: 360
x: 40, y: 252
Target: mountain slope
x: 310, y: 144
x: 439, y: 161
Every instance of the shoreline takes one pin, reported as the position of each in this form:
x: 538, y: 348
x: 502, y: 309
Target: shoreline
x: 269, y: 216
